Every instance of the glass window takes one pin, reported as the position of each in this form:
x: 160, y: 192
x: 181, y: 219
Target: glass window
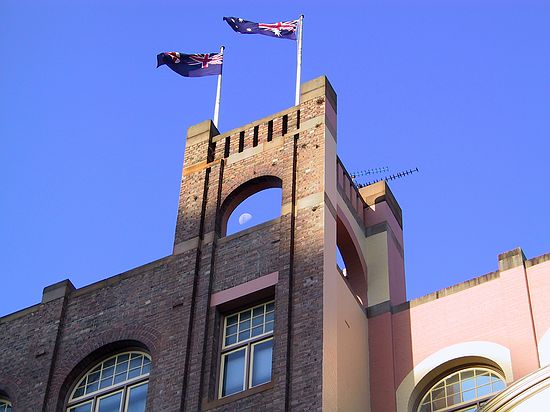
x: 5, y: 405
x: 117, y: 381
x: 247, y: 349
x: 463, y: 390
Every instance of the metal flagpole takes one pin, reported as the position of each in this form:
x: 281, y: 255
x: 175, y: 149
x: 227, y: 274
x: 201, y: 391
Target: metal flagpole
x: 218, y: 93
x: 299, y: 64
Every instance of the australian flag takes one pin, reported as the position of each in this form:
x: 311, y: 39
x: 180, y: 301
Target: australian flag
x: 282, y: 30
x: 192, y: 65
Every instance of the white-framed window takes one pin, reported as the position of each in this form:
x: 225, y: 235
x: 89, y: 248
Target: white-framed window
x: 117, y: 384
x: 247, y: 349
x: 464, y: 390
x: 5, y: 405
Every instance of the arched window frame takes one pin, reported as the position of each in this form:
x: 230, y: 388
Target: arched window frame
x: 468, y: 405
x: 77, y: 402
x: 5, y: 405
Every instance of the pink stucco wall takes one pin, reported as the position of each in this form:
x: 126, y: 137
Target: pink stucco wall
x: 539, y: 287
x: 497, y: 311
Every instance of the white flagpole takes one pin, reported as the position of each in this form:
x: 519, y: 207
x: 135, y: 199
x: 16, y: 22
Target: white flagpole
x: 218, y: 94
x: 299, y: 57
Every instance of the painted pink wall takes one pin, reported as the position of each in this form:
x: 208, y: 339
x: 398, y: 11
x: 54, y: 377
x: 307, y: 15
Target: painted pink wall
x: 539, y: 287
x: 381, y: 363
x: 497, y: 311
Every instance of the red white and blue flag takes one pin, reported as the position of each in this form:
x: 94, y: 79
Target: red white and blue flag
x: 282, y: 29
x: 192, y: 65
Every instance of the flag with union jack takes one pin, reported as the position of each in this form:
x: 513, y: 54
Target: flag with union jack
x: 282, y: 29
x: 192, y: 65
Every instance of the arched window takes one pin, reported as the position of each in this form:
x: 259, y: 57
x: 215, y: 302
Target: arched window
x: 464, y: 390
x: 118, y: 383
x: 5, y: 405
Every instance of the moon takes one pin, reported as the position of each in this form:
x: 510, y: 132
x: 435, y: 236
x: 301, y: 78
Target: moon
x: 245, y: 217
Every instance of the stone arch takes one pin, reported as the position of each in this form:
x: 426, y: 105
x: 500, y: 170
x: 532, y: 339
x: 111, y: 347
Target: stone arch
x: 242, y: 192
x: 356, y: 267
x: 485, y: 353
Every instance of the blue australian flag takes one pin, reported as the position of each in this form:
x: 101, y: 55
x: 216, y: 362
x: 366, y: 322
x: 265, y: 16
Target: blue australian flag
x: 282, y: 29
x: 192, y: 65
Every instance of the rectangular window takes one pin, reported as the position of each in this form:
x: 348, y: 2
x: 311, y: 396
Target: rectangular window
x: 247, y: 349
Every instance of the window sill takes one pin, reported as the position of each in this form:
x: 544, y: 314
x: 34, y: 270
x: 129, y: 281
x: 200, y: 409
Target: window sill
x: 235, y: 397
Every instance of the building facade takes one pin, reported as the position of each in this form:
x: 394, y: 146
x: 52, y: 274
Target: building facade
x: 263, y: 319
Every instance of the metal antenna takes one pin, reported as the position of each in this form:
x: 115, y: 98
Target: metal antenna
x: 391, y: 177
x: 372, y: 171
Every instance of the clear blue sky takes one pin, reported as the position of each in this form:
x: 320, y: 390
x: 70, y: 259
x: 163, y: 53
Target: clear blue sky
x: 92, y: 135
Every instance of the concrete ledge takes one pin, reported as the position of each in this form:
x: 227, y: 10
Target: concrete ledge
x: 380, y: 192
x: 57, y: 290
x: 511, y: 259
x: 201, y: 132
x: 244, y: 289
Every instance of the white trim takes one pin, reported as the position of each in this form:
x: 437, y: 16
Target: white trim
x: 98, y: 401
x: 251, y: 365
x: 482, y: 349
x: 129, y: 390
x: 222, y: 369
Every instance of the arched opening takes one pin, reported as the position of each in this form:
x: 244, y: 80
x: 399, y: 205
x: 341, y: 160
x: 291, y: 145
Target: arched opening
x: 350, y: 261
x: 256, y: 201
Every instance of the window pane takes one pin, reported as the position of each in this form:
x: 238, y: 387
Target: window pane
x: 135, y: 362
x: 244, y: 335
x: 134, y: 373
x: 498, y: 386
x: 86, y: 407
x: 483, y: 390
x: 261, y: 368
x: 110, y: 403
x: 469, y: 395
x: 122, y: 358
x: 78, y: 392
x: 120, y: 377
x: 108, y: 372
x: 233, y: 374
x: 230, y: 340
x: 137, y: 398
x: 468, y: 384
x: 121, y: 367
x: 105, y: 383
x: 258, y: 311
x: 92, y: 387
